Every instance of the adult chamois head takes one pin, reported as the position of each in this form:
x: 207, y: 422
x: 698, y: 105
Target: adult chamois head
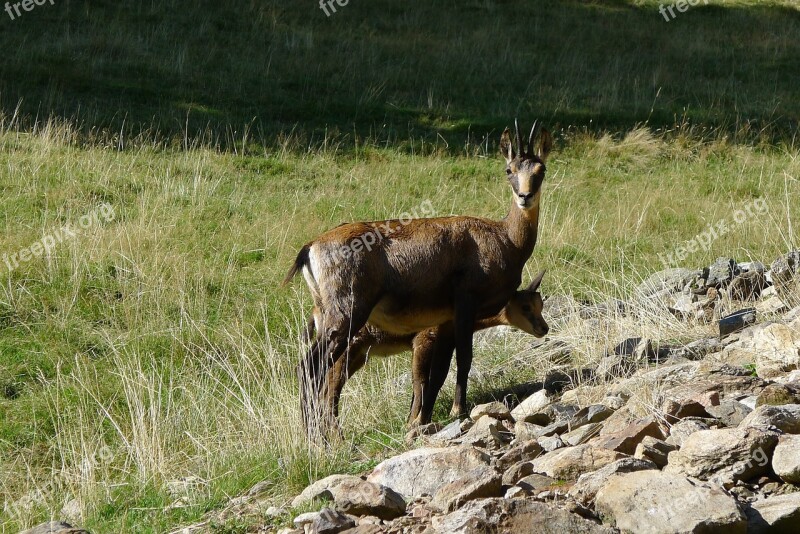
x: 406, y: 276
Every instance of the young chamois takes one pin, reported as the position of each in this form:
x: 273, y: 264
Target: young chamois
x: 432, y: 350
x: 421, y: 274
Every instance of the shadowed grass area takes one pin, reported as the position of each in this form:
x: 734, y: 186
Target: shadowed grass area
x: 242, y: 72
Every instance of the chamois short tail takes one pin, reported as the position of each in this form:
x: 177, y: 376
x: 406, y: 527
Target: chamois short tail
x: 299, y: 262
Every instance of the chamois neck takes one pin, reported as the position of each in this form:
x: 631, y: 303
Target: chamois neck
x: 523, y: 227
x: 495, y: 320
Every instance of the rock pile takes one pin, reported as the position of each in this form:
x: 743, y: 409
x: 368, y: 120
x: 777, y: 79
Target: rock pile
x: 716, y: 447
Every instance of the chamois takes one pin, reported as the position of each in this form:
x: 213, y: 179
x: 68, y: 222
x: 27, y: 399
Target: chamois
x: 432, y: 350
x: 421, y: 274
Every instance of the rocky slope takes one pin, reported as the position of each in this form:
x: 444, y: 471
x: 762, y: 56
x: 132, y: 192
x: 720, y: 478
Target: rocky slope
x: 698, y: 437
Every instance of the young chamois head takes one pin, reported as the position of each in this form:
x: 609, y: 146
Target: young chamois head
x: 524, y: 310
x: 525, y: 165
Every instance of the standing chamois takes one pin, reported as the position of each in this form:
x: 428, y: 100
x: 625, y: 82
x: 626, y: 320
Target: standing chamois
x: 421, y: 274
x: 431, y: 349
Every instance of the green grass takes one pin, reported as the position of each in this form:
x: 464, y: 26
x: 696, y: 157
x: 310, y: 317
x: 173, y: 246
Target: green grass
x: 228, y: 135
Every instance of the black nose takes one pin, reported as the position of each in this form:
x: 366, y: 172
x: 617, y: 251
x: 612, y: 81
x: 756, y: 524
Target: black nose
x: 526, y: 196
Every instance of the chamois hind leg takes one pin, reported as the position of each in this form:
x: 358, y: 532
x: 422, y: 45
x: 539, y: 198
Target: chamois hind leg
x: 464, y: 328
x: 341, y: 371
x: 334, y: 335
x: 421, y: 355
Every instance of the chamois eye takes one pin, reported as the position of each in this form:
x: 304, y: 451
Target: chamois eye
x: 508, y: 171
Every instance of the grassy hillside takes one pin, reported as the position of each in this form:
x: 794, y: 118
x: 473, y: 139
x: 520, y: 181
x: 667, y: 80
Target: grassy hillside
x: 154, y: 345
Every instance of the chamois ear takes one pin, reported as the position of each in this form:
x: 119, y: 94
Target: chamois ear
x: 534, y: 285
x: 506, y: 147
x: 544, y: 144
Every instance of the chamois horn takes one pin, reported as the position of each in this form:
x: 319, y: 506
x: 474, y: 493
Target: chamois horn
x: 532, y: 137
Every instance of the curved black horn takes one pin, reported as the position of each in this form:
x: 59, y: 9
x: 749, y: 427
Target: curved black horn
x: 534, y: 285
x: 532, y: 137
x: 519, y: 138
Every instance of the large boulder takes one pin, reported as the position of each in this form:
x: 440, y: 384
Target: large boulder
x: 531, y: 405
x: 424, y: 471
x: 785, y: 418
x: 779, y: 514
x: 571, y: 462
x: 773, y: 348
x: 478, y: 483
x: 653, y: 502
x: 520, y: 516
x: 585, y: 490
x: 725, y: 455
x: 786, y: 458
x: 355, y: 496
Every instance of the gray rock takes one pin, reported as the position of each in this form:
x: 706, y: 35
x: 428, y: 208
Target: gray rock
x: 786, y: 458
x: 550, y: 443
x: 729, y: 412
x: 520, y: 516
x: 721, y: 272
x: 479, y: 483
x: 531, y: 405
x: 525, y: 451
x: 779, y: 515
x: 424, y: 471
x: 488, y: 433
x: 684, y: 428
x: 448, y: 433
x: 650, y: 502
x: 724, y: 456
x: 571, y: 462
x: 669, y: 280
x: 582, y: 434
x: 785, y: 418
x: 329, y: 521
x: 654, y: 450
x: 585, y: 490
x: 54, y: 527
x: 497, y: 410
x: 355, y: 496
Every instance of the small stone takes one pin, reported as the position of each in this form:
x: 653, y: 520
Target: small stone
x: 550, y: 443
x: 330, y: 521
x: 655, y: 450
x: 479, y: 483
x: 625, y: 441
x: 496, y: 410
x: 531, y: 405
x: 729, y: 412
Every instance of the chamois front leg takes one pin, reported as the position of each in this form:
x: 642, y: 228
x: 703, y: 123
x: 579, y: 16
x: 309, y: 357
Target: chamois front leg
x: 437, y: 356
x: 465, y: 314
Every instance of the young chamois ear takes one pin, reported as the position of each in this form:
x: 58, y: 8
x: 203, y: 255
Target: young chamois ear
x: 533, y: 287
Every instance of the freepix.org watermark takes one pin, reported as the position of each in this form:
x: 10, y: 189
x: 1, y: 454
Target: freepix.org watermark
x: 42, y: 494
x: 103, y: 212
x: 682, y: 6
x: 329, y: 6
x: 380, y: 232
x: 13, y: 8
x: 714, y: 231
